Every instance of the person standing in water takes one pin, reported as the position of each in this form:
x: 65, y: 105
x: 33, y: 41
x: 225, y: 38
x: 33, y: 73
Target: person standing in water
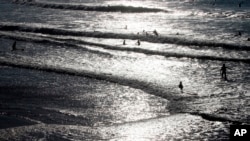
x: 223, y: 72
x: 240, y: 4
x: 138, y: 42
x: 181, y: 86
x: 124, y: 42
x: 155, y: 32
x: 14, y: 46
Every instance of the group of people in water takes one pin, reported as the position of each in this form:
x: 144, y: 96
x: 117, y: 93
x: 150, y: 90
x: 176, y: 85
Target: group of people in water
x: 138, y: 42
x: 223, y: 70
x: 147, y: 33
x: 223, y: 73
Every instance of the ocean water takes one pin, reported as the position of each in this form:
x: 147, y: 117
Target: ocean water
x: 72, y: 78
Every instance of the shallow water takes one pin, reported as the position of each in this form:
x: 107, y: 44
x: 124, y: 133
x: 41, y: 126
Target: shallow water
x: 76, y: 108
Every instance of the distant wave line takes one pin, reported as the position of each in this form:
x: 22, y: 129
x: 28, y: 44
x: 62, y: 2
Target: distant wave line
x: 97, y: 34
x: 161, y: 53
x: 109, y: 8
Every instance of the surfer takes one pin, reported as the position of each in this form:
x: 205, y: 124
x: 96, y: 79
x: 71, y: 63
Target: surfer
x: 223, y: 72
x: 181, y: 86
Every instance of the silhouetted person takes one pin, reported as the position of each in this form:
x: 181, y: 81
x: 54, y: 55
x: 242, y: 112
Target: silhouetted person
x: 240, y: 4
x: 146, y: 33
x: 126, y: 27
x: 155, y: 32
x: 181, y: 86
x: 224, y: 72
x: 138, y: 42
x: 239, y: 33
x: 14, y: 46
x: 124, y: 42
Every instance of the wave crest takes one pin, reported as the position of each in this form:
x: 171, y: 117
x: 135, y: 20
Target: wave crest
x: 97, y: 34
x: 109, y: 8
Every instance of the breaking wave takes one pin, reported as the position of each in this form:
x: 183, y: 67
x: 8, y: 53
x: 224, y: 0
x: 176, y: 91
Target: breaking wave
x: 114, y: 8
x: 97, y: 34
